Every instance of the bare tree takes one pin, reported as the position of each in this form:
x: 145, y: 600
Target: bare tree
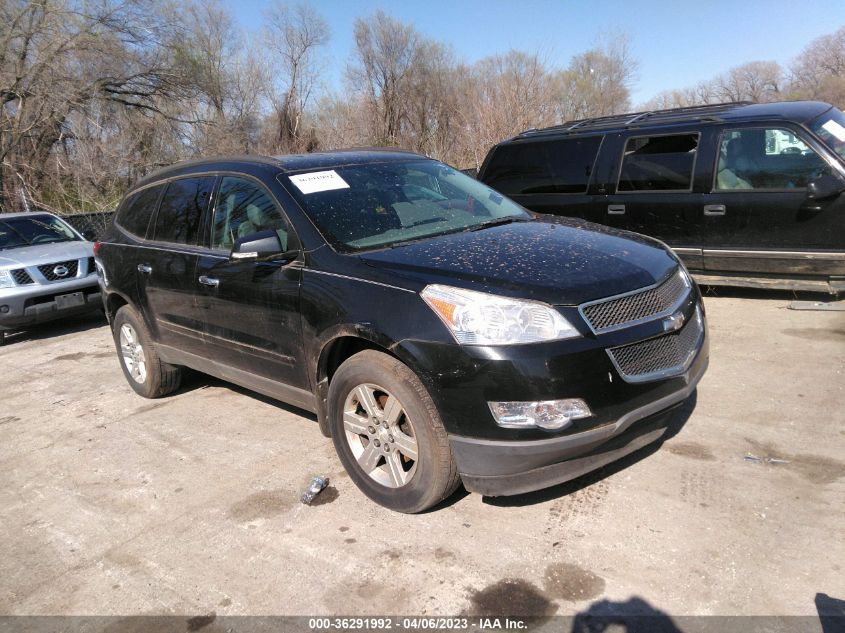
x: 294, y: 34
x: 385, y: 50
x: 598, y: 82
x: 502, y: 96
x: 431, y: 101
x: 759, y: 82
x: 58, y: 59
x: 819, y: 71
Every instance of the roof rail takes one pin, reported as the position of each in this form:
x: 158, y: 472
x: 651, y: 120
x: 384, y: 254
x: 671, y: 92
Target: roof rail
x: 631, y: 119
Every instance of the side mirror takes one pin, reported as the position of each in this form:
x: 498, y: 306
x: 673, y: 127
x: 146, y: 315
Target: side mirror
x: 824, y: 187
x: 261, y: 245
x: 89, y: 234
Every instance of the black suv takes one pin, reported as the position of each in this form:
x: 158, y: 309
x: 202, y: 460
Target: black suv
x: 747, y: 194
x: 439, y: 331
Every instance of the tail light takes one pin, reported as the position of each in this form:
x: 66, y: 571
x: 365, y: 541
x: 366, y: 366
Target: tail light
x: 97, y: 247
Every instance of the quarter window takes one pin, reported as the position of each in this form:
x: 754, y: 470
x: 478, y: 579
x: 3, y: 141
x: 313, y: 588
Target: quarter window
x: 562, y: 166
x: 243, y: 208
x: 135, y: 215
x: 181, y: 209
x: 519, y: 169
x: 658, y: 163
x: 759, y: 158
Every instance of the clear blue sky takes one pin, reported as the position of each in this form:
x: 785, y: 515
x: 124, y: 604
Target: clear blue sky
x: 677, y: 43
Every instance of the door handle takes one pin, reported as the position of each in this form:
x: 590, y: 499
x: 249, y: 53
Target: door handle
x: 616, y: 209
x: 145, y: 268
x: 205, y: 280
x: 714, y: 209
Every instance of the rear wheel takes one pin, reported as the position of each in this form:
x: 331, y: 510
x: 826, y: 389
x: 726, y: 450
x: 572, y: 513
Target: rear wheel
x: 388, y: 433
x: 145, y: 372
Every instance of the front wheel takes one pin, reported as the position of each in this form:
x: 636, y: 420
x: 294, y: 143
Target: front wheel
x: 388, y: 433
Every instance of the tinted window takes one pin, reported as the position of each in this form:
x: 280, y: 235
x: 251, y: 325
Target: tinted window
x: 358, y: 207
x: 543, y: 167
x: 520, y: 168
x: 766, y: 159
x: 181, y: 209
x: 243, y: 208
x: 658, y: 163
x: 137, y: 211
x: 572, y: 163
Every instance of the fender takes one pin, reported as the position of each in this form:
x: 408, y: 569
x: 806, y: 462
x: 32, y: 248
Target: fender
x: 318, y: 373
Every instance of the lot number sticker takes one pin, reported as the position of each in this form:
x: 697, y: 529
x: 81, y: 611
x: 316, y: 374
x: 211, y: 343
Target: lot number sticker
x: 834, y: 128
x: 318, y: 181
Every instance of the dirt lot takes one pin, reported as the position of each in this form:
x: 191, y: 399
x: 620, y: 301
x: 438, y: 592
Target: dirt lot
x: 111, y: 504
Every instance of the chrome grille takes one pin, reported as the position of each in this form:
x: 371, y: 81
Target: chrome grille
x: 608, y: 314
x: 49, y: 270
x: 22, y: 277
x: 666, y: 355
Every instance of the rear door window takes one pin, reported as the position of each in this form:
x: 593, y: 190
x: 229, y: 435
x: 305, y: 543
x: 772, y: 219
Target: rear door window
x: 561, y: 166
x: 658, y: 163
x: 181, y: 209
x: 766, y: 158
x: 135, y: 214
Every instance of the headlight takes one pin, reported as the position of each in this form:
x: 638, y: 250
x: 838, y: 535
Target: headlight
x: 478, y: 318
x: 549, y: 414
x: 6, y: 280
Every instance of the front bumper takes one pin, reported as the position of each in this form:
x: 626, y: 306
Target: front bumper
x: 494, y: 468
x: 628, y: 410
x: 23, y: 306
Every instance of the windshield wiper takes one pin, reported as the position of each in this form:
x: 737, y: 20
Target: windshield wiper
x: 499, y: 222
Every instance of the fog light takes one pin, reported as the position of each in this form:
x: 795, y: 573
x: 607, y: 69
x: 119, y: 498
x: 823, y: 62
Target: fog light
x: 4, y: 309
x: 547, y: 414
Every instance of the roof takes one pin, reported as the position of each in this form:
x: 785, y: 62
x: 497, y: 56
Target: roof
x: 285, y: 163
x: 801, y: 111
x: 24, y: 214
x: 338, y: 158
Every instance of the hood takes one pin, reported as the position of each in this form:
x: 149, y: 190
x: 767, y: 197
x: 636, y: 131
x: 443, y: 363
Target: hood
x: 45, y: 253
x: 560, y: 261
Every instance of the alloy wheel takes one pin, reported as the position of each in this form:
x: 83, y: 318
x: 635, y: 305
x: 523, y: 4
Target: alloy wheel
x: 133, y: 354
x: 380, y: 435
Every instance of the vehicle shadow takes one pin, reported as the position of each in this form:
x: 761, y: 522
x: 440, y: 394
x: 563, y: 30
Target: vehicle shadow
x: 632, y: 616
x: 831, y: 613
x: 71, y: 325
x: 678, y: 418
x: 637, y: 615
x: 194, y: 380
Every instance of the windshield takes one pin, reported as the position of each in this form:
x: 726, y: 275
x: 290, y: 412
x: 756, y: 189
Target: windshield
x: 38, y: 229
x: 830, y: 128
x: 364, y: 207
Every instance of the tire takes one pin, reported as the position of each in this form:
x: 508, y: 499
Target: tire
x: 416, y: 470
x: 145, y: 372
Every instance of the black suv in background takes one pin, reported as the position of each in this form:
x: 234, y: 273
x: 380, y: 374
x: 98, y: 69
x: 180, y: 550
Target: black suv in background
x: 746, y: 194
x: 439, y: 331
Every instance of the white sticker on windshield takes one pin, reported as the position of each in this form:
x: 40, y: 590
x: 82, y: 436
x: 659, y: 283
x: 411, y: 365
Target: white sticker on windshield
x: 318, y: 181
x: 834, y: 128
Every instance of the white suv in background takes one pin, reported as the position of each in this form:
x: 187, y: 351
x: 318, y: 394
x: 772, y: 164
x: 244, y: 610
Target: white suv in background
x: 47, y: 271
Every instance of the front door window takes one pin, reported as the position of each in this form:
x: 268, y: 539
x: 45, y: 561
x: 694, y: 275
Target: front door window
x: 243, y: 208
x: 768, y: 159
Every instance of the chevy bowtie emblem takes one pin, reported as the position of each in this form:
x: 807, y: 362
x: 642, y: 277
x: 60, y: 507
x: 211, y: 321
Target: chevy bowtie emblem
x: 674, y: 322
